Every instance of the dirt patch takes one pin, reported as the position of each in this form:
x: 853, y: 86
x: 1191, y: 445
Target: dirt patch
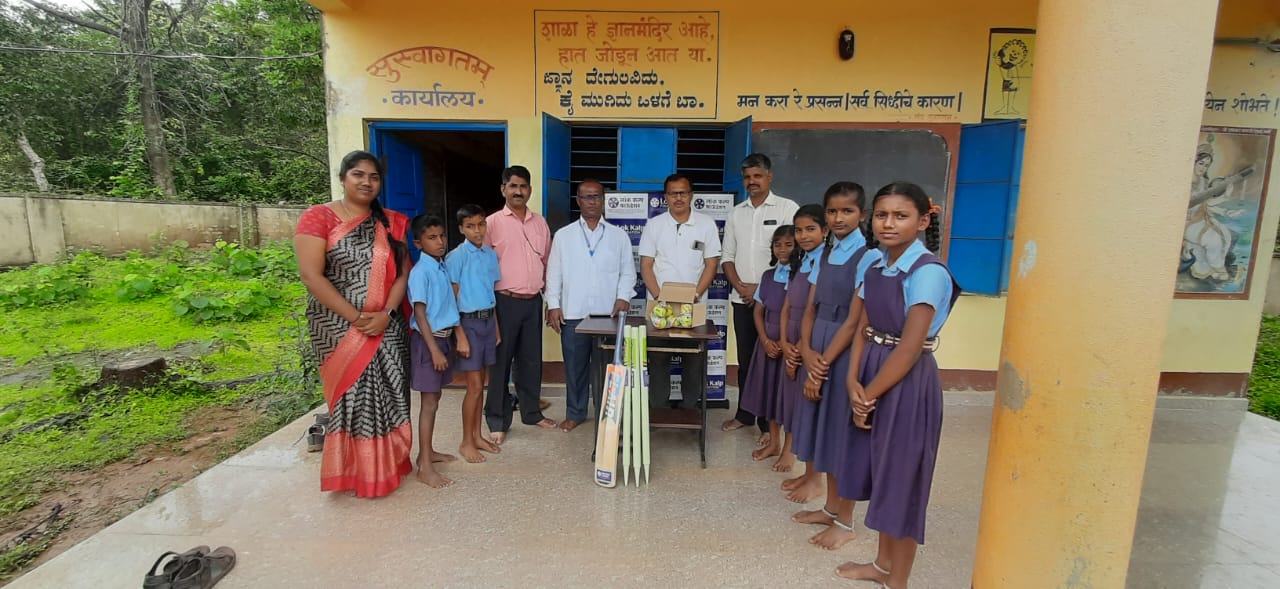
x: 95, y: 499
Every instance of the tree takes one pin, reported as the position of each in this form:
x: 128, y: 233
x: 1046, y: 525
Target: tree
x: 133, y: 29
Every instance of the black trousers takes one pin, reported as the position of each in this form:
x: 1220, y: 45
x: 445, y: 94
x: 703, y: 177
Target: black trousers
x: 520, y: 323
x: 744, y: 329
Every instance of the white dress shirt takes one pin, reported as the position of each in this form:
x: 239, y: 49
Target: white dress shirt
x: 679, y: 250
x: 581, y: 283
x: 748, y: 236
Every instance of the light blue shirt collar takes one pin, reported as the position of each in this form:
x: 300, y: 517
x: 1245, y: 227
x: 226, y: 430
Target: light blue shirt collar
x: 851, y: 242
x: 811, y: 258
x: 904, y: 262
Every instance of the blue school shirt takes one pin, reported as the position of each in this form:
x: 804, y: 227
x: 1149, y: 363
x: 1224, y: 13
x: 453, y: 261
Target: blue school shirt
x: 843, y: 250
x: 812, y: 258
x: 429, y: 284
x: 781, y: 273
x: 930, y: 284
x: 475, y: 271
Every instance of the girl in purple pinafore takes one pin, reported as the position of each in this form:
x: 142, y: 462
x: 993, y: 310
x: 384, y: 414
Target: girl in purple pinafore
x: 829, y: 323
x: 909, y: 293
x: 760, y: 395
x: 810, y: 224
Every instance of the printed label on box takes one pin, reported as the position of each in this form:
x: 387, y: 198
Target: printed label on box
x: 718, y: 311
x: 626, y: 205
x: 657, y: 204
x: 716, y: 388
x: 716, y: 362
x: 633, y: 229
x: 714, y: 205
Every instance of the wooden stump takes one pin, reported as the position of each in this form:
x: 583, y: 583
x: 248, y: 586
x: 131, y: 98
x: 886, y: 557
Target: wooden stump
x: 133, y: 374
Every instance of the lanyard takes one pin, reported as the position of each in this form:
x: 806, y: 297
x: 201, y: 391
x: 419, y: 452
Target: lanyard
x: 591, y: 249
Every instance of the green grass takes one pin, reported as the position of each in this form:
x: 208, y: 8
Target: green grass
x: 52, y: 423
x: 1264, y: 381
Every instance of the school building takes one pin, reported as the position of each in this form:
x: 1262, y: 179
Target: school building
x: 933, y: 92
x: 1057, y: 135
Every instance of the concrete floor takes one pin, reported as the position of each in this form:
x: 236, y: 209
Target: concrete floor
x: 531, y: 517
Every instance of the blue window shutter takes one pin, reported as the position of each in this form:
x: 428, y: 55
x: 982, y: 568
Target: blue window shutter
x: 982, y: 228
x: 646, y: 156
x: 555, y: 171
x: 737, y: 145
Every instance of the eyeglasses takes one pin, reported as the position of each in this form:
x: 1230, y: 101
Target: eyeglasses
x: 680, y: 194
x: 591, y: 198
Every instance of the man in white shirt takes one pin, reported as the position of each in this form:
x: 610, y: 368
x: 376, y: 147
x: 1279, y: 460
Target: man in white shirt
x: 679, y: 245
x: 748, y: 237
x: 590, y: 272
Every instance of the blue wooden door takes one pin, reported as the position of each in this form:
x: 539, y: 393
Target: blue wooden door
x: 646, y: 156
x: 402, y: 188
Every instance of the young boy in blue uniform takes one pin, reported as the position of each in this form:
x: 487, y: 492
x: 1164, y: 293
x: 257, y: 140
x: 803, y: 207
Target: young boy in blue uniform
x: 434, y: 320
x: 473, y: 270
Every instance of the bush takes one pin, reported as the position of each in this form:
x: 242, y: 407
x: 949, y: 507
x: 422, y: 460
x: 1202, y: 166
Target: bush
x: 45, y: 285
x: 255, y: 299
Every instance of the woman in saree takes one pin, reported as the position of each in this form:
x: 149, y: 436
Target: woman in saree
x: 353, y: 261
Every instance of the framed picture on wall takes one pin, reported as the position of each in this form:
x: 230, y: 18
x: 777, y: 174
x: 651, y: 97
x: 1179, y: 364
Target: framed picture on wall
x: 1010, y: 56
x: 1224, y: 212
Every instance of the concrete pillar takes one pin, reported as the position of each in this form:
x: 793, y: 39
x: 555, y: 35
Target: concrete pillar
x: 44, y: 218
x: 1116, y: 101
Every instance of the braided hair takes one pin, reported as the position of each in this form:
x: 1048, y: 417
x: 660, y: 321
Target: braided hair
x: 794, y: 261
x: 349, y: 161
x: 932, y: 234
x: 845, y: 188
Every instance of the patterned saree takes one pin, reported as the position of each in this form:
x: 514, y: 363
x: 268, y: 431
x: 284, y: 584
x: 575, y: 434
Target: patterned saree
x: 365, y: 378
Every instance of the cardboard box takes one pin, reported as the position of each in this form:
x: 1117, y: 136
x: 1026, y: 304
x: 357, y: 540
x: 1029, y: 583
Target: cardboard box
x: 675, y: 294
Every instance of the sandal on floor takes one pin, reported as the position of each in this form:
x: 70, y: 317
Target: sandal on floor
x: 205, y: 572
x: 315, y: 438
x: 164, y: 579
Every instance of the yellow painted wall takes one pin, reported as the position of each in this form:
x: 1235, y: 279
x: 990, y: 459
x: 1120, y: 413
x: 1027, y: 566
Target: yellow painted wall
x: 924, y: 47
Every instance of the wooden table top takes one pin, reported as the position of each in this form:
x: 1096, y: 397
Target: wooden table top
x: 609, y: 326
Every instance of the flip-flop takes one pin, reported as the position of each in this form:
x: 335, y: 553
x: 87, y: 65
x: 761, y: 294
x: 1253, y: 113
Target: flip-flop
x: 725, y: 427
x: 205, y: 572
x: 164, y: 578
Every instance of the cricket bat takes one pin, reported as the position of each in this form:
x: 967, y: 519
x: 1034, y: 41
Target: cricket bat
x: 628, y: 429
x: 644, y: 402
x: 606, y: 474
x: 637, y: 336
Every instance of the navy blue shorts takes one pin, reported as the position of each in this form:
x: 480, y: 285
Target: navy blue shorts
x: 482, y: 334
x: 425, y: 377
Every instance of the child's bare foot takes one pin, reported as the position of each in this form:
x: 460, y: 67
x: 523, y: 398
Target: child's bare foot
x: 785, y: 462
x: 807, y: 491
x: 486, y: 445
x: 442, y: 457
x: 470, y: 453
x: 498, y: 437
x: 863, y: 572
x: 833, y: 537
x: 433, y: 479
x: 764, y: 440
x: 816, y: 516
x: 793, y: 482
x: 766, y: 452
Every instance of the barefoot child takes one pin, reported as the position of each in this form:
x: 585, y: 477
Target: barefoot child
x: 473, y: 269
x: 825, y: 339
x: 760, y: 395
x: 811, y: 237
x: 909, y: 294
x: 435, y: 315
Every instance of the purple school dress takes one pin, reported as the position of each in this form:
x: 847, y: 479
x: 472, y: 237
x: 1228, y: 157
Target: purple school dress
x: 907, y: 422
x: 791, y: 390
x: 760, y: 394
x: 831, y: 298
